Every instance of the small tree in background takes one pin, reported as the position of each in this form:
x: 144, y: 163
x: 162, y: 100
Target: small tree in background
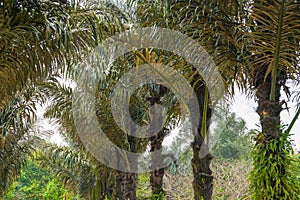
x: 230, y: 139
x: 36, y: 183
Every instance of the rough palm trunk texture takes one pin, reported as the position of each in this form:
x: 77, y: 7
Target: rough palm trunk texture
x: 156, y: 176
x: 269, y: 113
x: 125, y: 188
x: 203, y: 179
x: 126, y: 182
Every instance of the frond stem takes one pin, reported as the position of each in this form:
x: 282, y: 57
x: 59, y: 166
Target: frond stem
x: 277, y: 50
x: 204, y: 115
x: 293, y: 121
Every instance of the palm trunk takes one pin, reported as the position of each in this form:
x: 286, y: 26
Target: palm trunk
x: 126, y: 182
x: 125, y: 185
x: 3, y: 179
x: 125, y: 188
x: 156, y: 176
x: 203, y: 179
x: 268, y: 111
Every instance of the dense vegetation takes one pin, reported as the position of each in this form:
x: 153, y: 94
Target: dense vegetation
x: 44, y: 44
x: 38, y: 183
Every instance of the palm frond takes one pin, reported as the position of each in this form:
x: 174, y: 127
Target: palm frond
x: 17, y: 138
x: 71, y: 166
x: 274, y: 39
x: 38, y: 39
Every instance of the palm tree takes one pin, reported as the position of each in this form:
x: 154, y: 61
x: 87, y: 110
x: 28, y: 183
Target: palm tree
x: 37, y: 38
x: 160, y: 95
x: 274, y: 60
